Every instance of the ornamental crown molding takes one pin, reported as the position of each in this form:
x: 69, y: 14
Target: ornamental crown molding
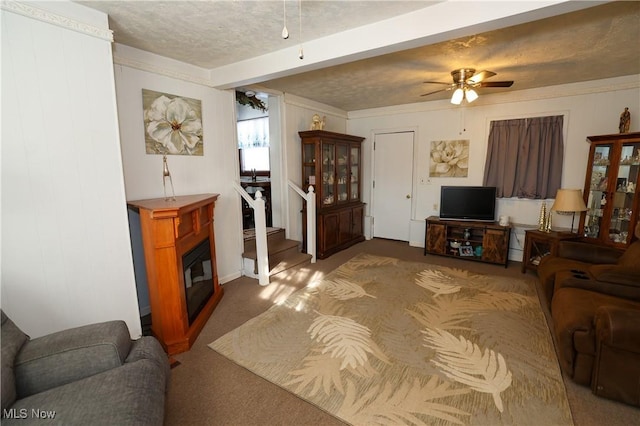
x: 61, y: 21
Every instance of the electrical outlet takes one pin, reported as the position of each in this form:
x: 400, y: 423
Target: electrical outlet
x: 435, y: 206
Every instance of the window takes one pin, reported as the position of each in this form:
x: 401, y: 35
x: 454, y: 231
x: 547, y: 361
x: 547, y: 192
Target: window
x: 524, y: 157
x: 253, y: 145
x: 254, y: 158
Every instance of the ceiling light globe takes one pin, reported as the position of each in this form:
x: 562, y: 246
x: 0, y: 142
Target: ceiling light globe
x: 471, y: 95
x: 456, y: 99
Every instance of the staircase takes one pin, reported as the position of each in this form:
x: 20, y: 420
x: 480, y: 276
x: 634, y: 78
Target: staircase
x: 284, y: 254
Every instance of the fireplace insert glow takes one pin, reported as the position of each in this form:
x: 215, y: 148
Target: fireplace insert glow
x: 198, y: 278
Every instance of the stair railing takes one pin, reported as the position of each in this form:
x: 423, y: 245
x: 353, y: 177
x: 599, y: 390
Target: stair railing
x: 260, y: 221
x: 310, y: 198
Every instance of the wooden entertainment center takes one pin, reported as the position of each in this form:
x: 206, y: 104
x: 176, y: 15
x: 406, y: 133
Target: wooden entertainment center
x: 476, y: 241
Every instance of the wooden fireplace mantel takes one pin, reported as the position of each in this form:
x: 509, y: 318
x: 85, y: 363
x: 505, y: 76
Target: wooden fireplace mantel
x: 171, y: 228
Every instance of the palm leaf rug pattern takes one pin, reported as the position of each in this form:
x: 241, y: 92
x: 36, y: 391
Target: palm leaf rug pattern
x: 382, y: 341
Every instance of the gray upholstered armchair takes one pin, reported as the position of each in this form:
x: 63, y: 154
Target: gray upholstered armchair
x: 93, y: 374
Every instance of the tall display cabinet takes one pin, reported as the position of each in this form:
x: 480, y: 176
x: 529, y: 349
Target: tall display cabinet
x: 611, y: 189
x: 331, y: 163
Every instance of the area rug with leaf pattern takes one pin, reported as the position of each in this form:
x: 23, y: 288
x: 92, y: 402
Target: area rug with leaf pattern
x: 384, y: 341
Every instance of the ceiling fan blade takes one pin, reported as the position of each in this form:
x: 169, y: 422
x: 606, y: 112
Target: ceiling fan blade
x: 437, y: 91
x: 496, y: 84
x: 478, y: 77
x: 435, y: 82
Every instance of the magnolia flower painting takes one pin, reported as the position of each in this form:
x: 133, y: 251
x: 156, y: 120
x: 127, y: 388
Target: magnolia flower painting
x: 172, y: 124
x: 449, y: 158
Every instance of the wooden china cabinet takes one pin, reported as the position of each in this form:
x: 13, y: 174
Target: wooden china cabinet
x: 611, y: 189
x: 331, y: 163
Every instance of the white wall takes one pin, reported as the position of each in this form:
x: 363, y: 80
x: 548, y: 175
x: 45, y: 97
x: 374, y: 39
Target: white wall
x: 590, y: 108
x: 211, y: 173
x: 66, y: 255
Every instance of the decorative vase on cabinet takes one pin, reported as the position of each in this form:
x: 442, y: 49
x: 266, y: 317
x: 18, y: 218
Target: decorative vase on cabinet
x: 331, y: 163
x: 611, y: 189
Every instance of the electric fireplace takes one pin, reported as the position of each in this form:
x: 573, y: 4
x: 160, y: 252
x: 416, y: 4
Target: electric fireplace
x: 180, y: 259
x: 198, y: 278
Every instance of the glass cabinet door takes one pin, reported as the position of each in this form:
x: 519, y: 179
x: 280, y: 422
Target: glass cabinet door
x: 599, y: 187
x: 354, y: 173
x: 328, y: 174
x: 309, y: 165
x: 342, y: 154
x: 613, y: 187
x: 626, y: 181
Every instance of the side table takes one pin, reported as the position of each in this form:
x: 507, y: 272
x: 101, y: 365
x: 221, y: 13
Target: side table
x: 538, y: 244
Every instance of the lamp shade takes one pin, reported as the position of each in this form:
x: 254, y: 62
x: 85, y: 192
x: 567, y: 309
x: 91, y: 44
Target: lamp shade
x: 568, y: 200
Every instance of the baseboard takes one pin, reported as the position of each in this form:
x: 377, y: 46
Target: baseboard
x: 229, y: 277
x: 416, y: 243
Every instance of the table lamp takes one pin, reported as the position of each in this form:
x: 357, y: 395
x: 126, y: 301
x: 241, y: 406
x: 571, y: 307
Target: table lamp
x: 569, y: 201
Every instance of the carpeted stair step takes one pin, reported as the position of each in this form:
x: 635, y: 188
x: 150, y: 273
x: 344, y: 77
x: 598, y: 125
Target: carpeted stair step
x: 278, y: 251
x: 283, y: 253
x: 276, y: 243
x: 273, y: 235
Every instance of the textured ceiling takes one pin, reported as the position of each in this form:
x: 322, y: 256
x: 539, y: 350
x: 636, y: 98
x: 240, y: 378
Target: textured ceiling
x: 595, y: 43
x: 598, y: 42
x: 214, y: 33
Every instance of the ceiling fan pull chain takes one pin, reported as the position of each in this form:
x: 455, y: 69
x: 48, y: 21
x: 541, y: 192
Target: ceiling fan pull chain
x: 285, y: 31
x: 301, y: 52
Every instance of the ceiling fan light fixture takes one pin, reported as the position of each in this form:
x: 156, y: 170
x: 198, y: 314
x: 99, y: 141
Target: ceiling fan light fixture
x: 464, y: 82
x: 471, y: 95
x: 457, y: 97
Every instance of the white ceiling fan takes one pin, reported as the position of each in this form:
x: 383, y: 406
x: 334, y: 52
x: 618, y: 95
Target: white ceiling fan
x: 465, y: 80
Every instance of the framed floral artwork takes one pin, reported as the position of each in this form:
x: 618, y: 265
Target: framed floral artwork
x: 172, y: 124
x: 449, y: 158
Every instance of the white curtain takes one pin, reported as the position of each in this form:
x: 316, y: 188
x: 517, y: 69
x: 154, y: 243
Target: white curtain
x: 253, y: 133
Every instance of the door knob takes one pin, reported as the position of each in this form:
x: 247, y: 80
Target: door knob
x: 408, y: 196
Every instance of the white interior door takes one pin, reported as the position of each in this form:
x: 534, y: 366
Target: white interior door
x: 392, y: 185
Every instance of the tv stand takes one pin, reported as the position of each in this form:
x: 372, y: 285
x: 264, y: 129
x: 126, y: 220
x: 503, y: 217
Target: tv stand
x: 476, y: 241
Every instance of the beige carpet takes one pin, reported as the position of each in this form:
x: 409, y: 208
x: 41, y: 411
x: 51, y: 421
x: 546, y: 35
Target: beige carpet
x: 384, y: 341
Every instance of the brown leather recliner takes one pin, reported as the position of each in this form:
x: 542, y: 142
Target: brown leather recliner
x: 616, y: 373
x: 594, y: 296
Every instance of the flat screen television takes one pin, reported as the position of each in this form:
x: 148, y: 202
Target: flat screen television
x: 468, y: 203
